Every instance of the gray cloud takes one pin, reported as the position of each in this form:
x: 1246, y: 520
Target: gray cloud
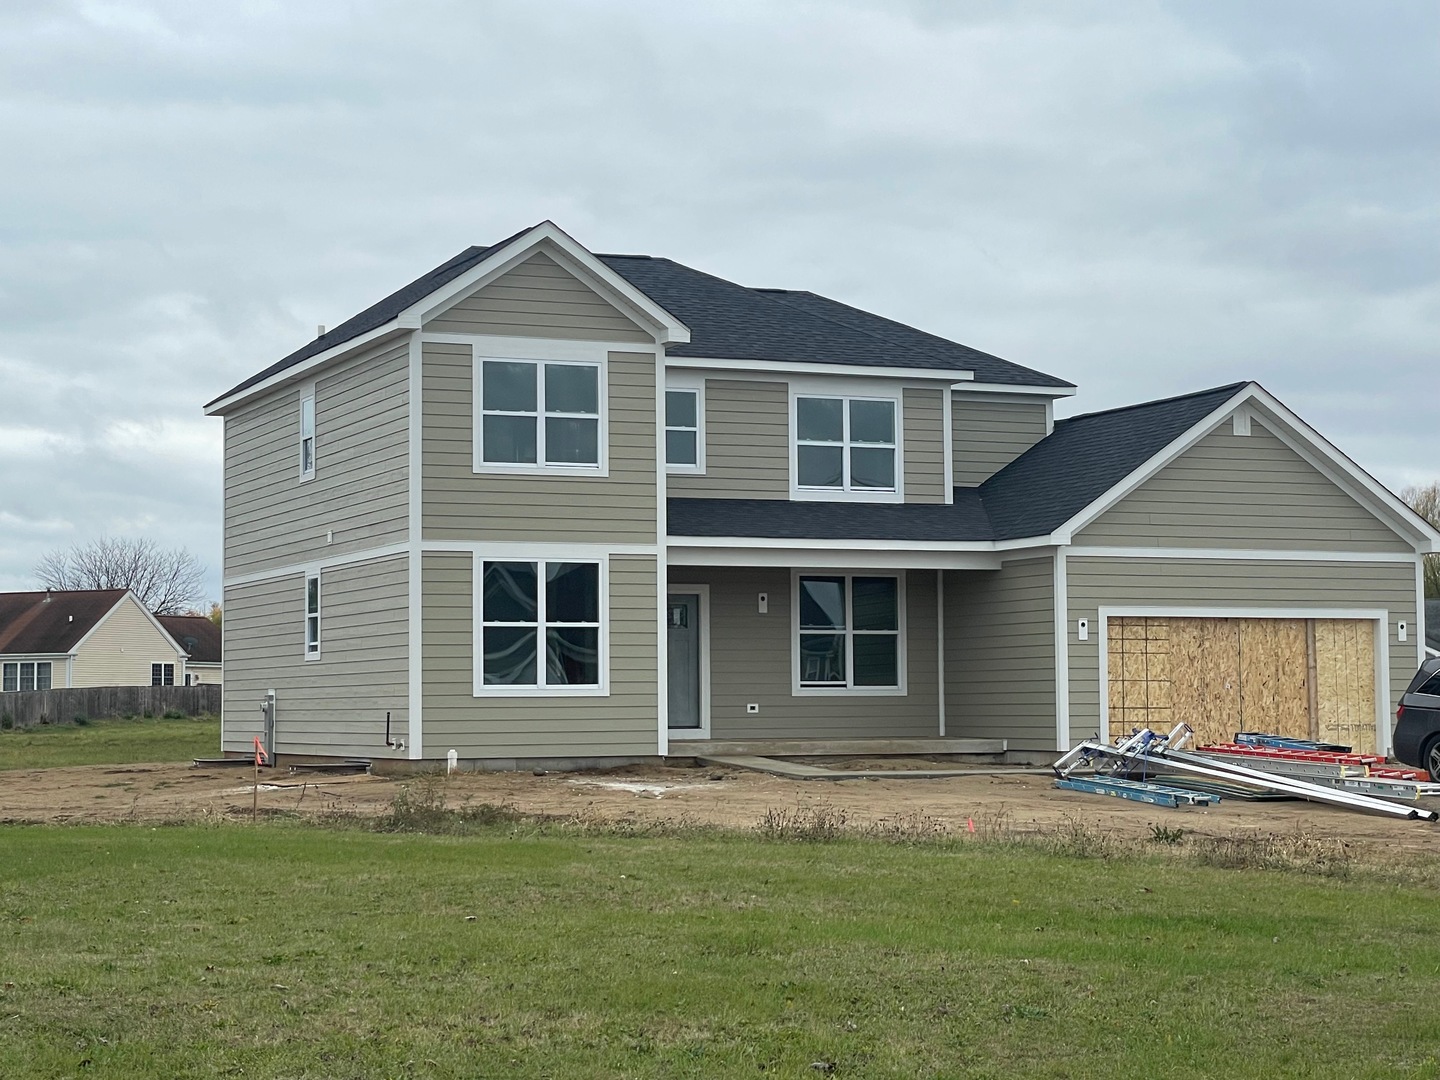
x: 1144, y: 198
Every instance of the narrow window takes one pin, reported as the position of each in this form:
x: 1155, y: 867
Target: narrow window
x: 849, y: 633
x: 43, y: 675
x: 541, y: 414
x: 540, y: 624
x: 312, y: 616
x: 307, y: 437
x: 162, y: 674
x: 845, y: 444
x: 27, y: 675
x: 10, y: 678
x: 682, y: 428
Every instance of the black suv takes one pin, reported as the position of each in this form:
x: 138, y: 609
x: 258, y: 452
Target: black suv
x: 1417, y: 728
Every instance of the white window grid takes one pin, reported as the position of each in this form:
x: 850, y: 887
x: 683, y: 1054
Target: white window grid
x: 539, y: 415
x: 698, y: 465
x: 22, y: 675
x: 846, y: 445
x: 162, y: 674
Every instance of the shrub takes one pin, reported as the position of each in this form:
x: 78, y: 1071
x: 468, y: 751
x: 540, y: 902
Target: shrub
x: 173, y: 714
x: 6, y: 722
x: 81, y: 720
x: 148, y: 715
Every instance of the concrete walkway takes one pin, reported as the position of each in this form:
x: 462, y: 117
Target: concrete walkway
x: 794, y: 770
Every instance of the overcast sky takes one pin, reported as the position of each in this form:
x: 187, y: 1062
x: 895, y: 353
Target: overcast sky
x: 1142, y: 198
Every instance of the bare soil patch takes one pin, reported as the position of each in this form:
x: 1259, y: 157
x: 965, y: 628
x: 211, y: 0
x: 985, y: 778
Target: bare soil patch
x: 1015, y: 803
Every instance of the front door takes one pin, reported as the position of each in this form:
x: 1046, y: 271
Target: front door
x: 683, y: 624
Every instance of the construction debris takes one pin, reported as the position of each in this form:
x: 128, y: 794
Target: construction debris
x: 1138, y: 791
x: 1148, y: 753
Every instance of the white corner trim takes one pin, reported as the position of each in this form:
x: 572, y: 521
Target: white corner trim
x: 605, y: 281
x: 415, y: 582
x: 940, y: 647
x: 1062, y: 655
x: 947, y: 421
x: 662, y: 569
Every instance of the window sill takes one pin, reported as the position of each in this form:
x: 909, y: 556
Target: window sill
x: 849, y: 691
x: 483, y: 469
x: 484, y: 691
x: 686, y: 470
x: 840, y: 495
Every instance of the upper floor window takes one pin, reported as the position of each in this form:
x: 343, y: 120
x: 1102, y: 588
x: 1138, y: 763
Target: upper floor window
x: 25, y: 675
x: 845, y: 444
x: 682, y: 429
x: 312, y: 616
x: 539, y: 413
x: 539, y: 625
x: 307, y: 437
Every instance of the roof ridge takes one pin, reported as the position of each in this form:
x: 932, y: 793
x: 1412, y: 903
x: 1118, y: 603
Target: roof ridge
x: 1229, y: 387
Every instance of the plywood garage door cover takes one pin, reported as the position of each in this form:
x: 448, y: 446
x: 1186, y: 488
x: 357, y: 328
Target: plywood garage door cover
x: 1307, y: 678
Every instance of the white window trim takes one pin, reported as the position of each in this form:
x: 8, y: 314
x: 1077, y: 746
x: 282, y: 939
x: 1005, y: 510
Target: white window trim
x: 696, y: 387
x: 539, y: 355
x: 162, y: 665
x: 36, y: 676
x: 477, y: 616
x: 902, y: 641
x: 307, y: 397
x: 315, y: 576
x: 847, y: 390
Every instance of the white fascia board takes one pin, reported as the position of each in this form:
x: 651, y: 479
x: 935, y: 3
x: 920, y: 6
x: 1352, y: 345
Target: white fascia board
x: 803, y: 367
x: 1051, y: 392
x: 666, y: 327
x: 815, y: 556
x: 24, y: 657
x: 1149, y: 468
x: 1342, y: 471
x: 307, y: 367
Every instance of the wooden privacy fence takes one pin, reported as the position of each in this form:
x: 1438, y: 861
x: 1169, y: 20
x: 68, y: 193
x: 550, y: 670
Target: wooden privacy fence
x: 31, y: 708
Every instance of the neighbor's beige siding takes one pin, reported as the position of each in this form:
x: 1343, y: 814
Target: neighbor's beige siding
x: 539, y: 298
x: 1000, y: 654
x: 460, y: 504
x: 623, y: 724
x: 120, y: 651
x: 1241, y: 491
x: 988, y: 434
x: 924, y: 424
x: 747, y: 443
x: 751, y: 657
x: 335, y: 705
x: 1209, y: 583
x: 360, y: 489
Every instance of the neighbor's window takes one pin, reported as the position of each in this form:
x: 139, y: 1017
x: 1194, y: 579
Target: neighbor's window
x: 162, y: 674
x: 682, y: 428
x: 542, y: 413
x: 849, y: 631
x: 312, y: 616
x: 25, y: 675
x: 307, y: 436
x: 540, y: 624
x: 845, y: 444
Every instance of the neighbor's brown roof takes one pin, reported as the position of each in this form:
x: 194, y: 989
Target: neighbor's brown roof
x: 196, y: 634
x: 40, y: 622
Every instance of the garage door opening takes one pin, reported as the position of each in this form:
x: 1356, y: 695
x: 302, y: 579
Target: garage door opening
x: 1306, y: 678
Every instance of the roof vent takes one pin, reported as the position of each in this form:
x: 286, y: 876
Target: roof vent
x: 70, y: 619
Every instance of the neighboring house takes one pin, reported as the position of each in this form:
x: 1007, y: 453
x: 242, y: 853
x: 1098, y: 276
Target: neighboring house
x: 1432, y: 626
x: 546, y: 505
x: 89, y: 637
x: 200, y: 638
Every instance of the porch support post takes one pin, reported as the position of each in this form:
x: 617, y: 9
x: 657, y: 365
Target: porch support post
x: 940, y: 643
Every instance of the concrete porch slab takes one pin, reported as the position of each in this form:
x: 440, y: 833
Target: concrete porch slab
x: 833, y: 747
x: 794, y: 770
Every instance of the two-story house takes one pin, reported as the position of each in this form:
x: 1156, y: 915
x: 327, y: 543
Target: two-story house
x: 543, y: 506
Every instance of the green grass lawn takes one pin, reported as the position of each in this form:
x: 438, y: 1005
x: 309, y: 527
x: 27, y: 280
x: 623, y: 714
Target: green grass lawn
x: 294, y: 951
x: 110, y: 742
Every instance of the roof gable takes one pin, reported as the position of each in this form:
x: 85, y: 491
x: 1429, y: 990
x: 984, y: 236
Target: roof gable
x: 52, y: 622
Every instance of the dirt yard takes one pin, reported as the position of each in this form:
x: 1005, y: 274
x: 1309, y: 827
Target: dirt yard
x: 1014, y: 802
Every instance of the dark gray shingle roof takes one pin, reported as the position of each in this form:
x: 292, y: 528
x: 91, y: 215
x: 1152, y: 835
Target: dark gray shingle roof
x: 1084, y: 457
x: 726, y: 320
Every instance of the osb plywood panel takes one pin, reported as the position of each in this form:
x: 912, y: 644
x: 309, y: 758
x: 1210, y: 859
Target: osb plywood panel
x: 1274, y: 692
x: 1345, y: 671
x: 1205, y: 666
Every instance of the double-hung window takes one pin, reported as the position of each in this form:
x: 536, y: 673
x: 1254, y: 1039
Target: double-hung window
x: 307, y: 437
x: 682, y: 430
x: 539, y: 414
x: 539, y: 626
x: 312, y: 616
x: 162, y: 674
x: 25, y: 675
x: 848, y: 632
x: 845, y: 444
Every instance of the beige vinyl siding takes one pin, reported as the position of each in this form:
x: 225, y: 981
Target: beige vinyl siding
x: 206, y: 674
x: 460, y: 504
x: 121, y: 649
x: 1000, y: 654
x: 539, y: 298
x: 989, y: 434
x: 1241, y: 491
x: 335, y: 705
x: 924, y: 424
x: 623, y: 724
x: 1212, y: 583
x: 747, y: 443
x: 751, y: 658
x: 360, y: 489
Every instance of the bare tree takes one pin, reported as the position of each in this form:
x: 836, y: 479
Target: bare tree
x: 1425, y: 501
x: 167, y: 581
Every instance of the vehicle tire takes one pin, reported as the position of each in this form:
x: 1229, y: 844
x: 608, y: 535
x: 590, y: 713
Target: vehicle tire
x: 1430, y: 758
